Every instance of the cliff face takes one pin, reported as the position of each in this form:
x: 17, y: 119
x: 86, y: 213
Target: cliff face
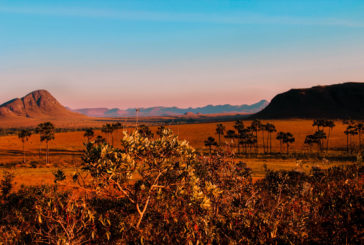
x: 335, y: 101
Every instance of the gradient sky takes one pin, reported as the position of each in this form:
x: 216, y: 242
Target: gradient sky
x: 121, y: 53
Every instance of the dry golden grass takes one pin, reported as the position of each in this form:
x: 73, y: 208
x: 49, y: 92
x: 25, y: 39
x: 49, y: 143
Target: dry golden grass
x: 66, y: 149
x: 197, y: 133
x: 38, y: 176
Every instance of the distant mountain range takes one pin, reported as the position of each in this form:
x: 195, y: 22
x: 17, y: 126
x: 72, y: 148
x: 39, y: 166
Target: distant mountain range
x: 338, y: 101
x: 174, y: 111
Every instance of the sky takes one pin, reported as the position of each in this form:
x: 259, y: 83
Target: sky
x: 142, y: 53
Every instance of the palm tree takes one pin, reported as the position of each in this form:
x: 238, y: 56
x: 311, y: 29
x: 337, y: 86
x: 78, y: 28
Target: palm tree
x: 220, y: 129
x: 280, y: 136
x: 330, y: 124
x: 347, y: 133
x: 24, y: 135
x: 251, y: 141
x: 239, y: 125
x: 318, y: 123
x: 230, y: 134
x: 89, y: 134
x: 270, y: 129
x: 350, y: 131
x: 319, y: 136
x: 360, y: 128
x: 310, y: 140
x: 263, y: 128
x: 243, y: 136
x: 46, y: 134
x: 285, y: 138
x: 255, y: 126
x: 38, y: 130
x: 210, y: 142
x: 288, y: 139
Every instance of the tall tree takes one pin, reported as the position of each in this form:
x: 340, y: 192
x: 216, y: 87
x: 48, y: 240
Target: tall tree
x: 285, y: 138
x: 210, y: 142
x: 243, y: 137
x: 251, y: 139
x: 280, y: 136
x: 310, y: 140
x: 288, y: 139
x: 46, y: 134
x: 350, y: 131
x: 319, y: 136
x: 360, y: 128
x: 263, y: 128
x: 330, y: 124
x: 37, y: 130
x: 239, y: 125
x: 230, y: 134
x: 24, y: 135
x: 318, y: 123
x: 255, y: 126
x: 220, y: 129
x: 270, y: 129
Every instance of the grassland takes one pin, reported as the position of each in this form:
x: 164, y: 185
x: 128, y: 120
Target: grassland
x: 66, y: 149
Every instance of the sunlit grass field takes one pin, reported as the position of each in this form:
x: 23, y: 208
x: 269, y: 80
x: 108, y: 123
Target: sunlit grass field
x: 66, y: 149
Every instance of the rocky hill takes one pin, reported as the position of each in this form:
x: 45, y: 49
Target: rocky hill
x: 36, y: 106
x: 339, y: 101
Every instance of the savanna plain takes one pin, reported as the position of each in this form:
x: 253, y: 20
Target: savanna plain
x: 66, y: 149
x: 245, y: 181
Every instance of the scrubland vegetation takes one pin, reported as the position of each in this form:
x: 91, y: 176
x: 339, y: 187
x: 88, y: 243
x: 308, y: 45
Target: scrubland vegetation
x: 149, y: 186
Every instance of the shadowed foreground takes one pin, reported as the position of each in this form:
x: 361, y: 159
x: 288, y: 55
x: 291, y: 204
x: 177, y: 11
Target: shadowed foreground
x: 158, y: 190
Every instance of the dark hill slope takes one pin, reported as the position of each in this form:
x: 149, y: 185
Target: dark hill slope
x: 344, y: 100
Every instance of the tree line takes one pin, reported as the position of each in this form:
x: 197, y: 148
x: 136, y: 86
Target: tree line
x: 245, y: 138
x: 46, y: 133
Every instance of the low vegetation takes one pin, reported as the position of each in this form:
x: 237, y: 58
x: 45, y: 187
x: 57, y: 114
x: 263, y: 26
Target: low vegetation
x: 159, y: 189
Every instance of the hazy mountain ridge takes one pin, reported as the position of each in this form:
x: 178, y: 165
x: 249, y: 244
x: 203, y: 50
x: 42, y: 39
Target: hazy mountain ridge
x: 174, y: 111
x: 338, y: 101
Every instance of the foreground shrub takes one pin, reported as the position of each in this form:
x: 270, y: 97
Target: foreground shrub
x: 159, y: 191
x: 154, y: 180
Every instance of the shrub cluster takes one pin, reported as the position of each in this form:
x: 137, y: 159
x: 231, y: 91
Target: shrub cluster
x: 159, y: 191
